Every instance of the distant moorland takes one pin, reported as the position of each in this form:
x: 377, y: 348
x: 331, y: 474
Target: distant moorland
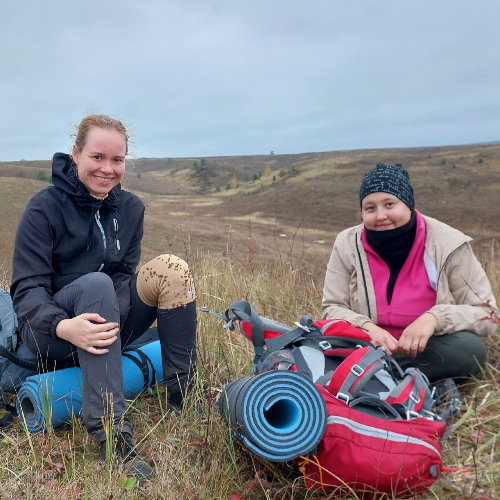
x: 271, y: 205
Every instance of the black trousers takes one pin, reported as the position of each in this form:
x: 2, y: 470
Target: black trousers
x: 455, y: 355
x: 102, y: 374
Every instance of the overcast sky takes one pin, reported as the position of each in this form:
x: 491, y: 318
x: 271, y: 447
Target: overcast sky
x: 232, y: 77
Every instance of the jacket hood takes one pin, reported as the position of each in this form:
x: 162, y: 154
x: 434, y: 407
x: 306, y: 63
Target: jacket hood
x: 65, y: 179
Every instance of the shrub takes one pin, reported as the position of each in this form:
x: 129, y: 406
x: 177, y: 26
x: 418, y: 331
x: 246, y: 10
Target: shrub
x: 443, y: 161
x: 217, y: 189
x: 435, y: 189
x: 19, y: 173
x: 139, y: 175
x: 480, y: 160
x: 282, y: 173
x: 228, y: 187
x: 274, y: 178
x: 41, y: 175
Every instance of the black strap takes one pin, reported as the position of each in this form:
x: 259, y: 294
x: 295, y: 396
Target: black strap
x: 143, y: 364
x: 285, y: 339
x: 379, y: 404
x: 324, y: 379
x: 244, y: 311
x: 46, y: 365
x: 301, y: 363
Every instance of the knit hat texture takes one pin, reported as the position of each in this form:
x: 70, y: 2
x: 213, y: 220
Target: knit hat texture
x: 392, y: 179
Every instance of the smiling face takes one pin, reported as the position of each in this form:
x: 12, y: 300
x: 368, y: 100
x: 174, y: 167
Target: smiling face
x: 101, y: 161
x: 383, y: 211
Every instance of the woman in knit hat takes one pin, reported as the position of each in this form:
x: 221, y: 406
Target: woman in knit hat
x: 413, y: 282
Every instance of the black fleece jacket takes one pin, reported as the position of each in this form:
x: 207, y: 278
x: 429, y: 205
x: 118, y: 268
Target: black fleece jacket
x: 65, y: 233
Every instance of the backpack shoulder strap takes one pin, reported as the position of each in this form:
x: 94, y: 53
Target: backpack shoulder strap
x: 355, y: 371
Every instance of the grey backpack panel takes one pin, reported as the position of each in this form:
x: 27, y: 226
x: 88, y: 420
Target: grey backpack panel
x: 8, y: 322
x: 12, y: 375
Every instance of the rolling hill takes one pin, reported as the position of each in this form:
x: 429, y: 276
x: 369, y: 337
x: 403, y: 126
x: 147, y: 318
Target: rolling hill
x: 287, y: 206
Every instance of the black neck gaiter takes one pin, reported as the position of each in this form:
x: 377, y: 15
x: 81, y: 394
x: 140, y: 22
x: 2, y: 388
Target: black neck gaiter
x: 393, y: 246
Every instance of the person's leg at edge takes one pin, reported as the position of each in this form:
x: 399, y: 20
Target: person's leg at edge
x: 455, y: 355
x: 166, y: 284
x: 102, y: 391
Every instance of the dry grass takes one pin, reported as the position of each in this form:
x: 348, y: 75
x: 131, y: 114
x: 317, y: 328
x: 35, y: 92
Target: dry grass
x: 194, y: 454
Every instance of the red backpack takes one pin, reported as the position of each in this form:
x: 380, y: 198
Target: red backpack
x: 382, y: 434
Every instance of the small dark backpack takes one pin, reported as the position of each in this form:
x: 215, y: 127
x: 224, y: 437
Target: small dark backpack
x: 16, y: 361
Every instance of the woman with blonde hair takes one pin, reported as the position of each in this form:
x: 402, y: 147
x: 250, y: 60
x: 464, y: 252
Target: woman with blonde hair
x: 76, y: 291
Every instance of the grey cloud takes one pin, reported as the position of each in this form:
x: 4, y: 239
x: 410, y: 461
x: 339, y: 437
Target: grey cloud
x: 236, y: 77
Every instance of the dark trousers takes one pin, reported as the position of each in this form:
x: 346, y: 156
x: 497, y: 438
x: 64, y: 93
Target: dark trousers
x: 455, y: 355
x: 102, y: 374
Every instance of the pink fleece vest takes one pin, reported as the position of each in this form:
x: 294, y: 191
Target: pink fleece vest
x: 412, y: 295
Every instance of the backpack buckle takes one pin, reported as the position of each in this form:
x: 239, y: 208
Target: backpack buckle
x: 325, y: 345
x: 429, y: 415
x: 302, y: 327
x: 411, y: 414
x: 343, y: 397
x: 414, y: 398
x: 357, y: 370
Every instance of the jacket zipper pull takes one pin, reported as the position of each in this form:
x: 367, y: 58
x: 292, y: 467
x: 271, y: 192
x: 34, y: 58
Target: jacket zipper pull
x: 117, y: 241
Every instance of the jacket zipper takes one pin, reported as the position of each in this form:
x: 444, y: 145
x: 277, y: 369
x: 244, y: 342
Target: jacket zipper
x: 115, y: 234
x: 103, y: 234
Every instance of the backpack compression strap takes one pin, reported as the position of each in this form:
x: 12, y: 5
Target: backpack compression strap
x: 414, y: 394
x: 355, y: 371
x: 242, y: 310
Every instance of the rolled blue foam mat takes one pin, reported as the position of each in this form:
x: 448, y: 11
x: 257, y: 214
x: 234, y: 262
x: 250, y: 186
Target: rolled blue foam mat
x: 278, y: 415
x: 56, y: 396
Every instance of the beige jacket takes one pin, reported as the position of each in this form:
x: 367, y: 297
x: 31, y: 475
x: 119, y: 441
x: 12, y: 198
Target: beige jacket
x: 456, y: 275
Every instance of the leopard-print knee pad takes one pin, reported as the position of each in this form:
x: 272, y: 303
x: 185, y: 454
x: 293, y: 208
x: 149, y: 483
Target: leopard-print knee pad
x: 166, y: 282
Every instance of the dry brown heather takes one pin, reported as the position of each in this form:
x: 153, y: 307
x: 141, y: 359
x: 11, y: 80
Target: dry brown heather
x: 232, y: 241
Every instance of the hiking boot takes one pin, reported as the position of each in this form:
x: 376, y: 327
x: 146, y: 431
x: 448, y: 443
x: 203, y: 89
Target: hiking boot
x: 176, y: 402
x: 124, y: 450
x: 447, y: 396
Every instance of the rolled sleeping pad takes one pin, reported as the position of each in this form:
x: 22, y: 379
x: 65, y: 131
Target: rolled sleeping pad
x: 278, y: 415
x: 56, y: 396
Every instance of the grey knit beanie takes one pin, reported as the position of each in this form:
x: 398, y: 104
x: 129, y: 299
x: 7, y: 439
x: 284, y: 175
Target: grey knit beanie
x: 392, y: 179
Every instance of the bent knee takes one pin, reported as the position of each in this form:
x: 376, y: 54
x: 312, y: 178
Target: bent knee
x: 94, y: 281
x: 166, y: 282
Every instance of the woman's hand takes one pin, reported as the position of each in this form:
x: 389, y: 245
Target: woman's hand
x: 381, y: 337
x: 88, y: 331
x: 416, y: 335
